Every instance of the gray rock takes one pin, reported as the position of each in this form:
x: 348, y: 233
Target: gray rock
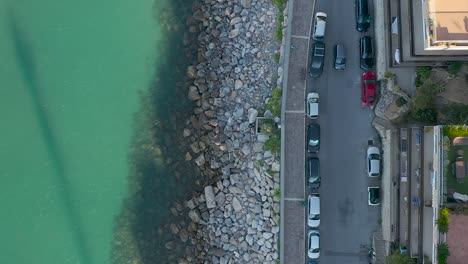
x: 174, y: 229
x: 238, y: 84
x: 210, y: 197
x: 234, y: 33
x: 235, y: 20
x: 220, y: 198
x: 187, y: 132
x: 194, y: 216
x: 200, y: 160
x: 190, y: 204
x: 183, y: 234
x: 246, y: 150
x: 244, y: 126
x: 188, y: 157
x: 267, y: 235
x: 262, y: 138
x: 193, y: 93
x: 236, y: 205
x: 253, y: 113
x: 192, y: 72
x: 246, y: 3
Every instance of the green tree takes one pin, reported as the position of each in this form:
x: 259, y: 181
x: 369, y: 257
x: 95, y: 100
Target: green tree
x: 443, y: 221
x: 398, y: 258
x: 442, y: 253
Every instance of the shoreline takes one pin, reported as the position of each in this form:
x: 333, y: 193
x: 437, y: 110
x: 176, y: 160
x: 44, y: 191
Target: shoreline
x: 231, y: 212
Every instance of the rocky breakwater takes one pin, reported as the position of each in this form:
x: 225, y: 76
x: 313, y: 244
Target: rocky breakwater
x: 236, y: 217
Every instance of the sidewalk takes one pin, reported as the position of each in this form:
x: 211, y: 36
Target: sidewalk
x: 292, y: 228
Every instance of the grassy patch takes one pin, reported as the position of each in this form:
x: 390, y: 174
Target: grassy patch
x: 274, y: 103
x: 454, y: 67
x: 277, y: 57
x: 442, y: 253
x: 452, y: 182
x: 280, y: 4
x: 277, y: 193
x: 455, y: 113
x: 273, y: 144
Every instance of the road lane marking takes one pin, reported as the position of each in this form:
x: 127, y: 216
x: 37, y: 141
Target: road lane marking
x: 294, y: 199
x: 300, y: 37
x: 295, y: 112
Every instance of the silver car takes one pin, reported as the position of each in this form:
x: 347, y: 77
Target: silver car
x: 313, y: 219
x: 314, y: 244
x: 373, y: 161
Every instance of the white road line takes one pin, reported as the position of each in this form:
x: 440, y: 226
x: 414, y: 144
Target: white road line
x: 294, y: 199
x: 300, y: 37
x: 295, y: 112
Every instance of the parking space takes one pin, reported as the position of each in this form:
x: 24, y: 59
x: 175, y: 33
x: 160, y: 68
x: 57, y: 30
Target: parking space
x: 347, y: 220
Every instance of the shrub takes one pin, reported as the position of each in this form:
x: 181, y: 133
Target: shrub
x: 273, y: 144
x: 277, y: 193
x: 268, y: 126
x: 388, y: 75
x: 456, y: 113
x: 428, y: 115
x: 443, y: 221
x: 455, y: 131
x: 422, y: 74
x: 398, y: 258
x: 454, y: 67
x: 274, y: 103
x: 279, y: 28
x: 277, y: 57
x: 442, y: 253
x: 400, y: 101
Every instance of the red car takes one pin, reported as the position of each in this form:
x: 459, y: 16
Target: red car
x: 368, y: 89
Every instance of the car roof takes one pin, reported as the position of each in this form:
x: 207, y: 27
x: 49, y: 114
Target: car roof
x: 373, y: 150
x: 314, y: 204
x: 314, y: 237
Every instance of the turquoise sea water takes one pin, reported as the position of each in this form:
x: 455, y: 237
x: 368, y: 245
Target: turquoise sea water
x: 72, y: 74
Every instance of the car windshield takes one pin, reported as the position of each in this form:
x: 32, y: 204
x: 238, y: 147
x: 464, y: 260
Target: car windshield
x: 374, y: 156
x: 370, y: 99
x: 369, y: 82
x: 313, y: 100
x: 341, y: 60
x: 314, y: 217
x: 313, y: 142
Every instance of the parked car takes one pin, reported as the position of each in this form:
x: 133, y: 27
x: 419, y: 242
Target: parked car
x: 363, y: 18
x: 314, y: 244
x: 320, y: 24
x: 318, y: 55
x: 313, y: 105
x: 374, y: 195
x: 373, y: 161
x: 313, y: 138
x: 313, y: 173
x: 368, y: 89
x: 340, y: 57
x: 367, y: 53
x: 313, y: 219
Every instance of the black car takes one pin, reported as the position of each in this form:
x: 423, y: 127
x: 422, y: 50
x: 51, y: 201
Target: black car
x: 313, y: 172
x: 313, y: 138
x: 318, y: 55
x: 367, y: 53
x: 363, y: 18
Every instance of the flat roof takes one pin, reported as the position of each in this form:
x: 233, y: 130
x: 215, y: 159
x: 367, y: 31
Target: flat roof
x: 450, y: 20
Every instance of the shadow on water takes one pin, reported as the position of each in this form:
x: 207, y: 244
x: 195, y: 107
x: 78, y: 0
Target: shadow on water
x: 27, y: 66
x: 159, y: 175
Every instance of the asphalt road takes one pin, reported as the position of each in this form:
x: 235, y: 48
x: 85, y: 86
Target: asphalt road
x: 347, y: 221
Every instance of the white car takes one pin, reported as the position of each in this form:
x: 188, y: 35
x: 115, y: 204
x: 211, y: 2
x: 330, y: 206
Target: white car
x: 313, y: 219
x: 373, y: 161
x: 314, y: 244
x: 313, y: 105
x: 320, y: 24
